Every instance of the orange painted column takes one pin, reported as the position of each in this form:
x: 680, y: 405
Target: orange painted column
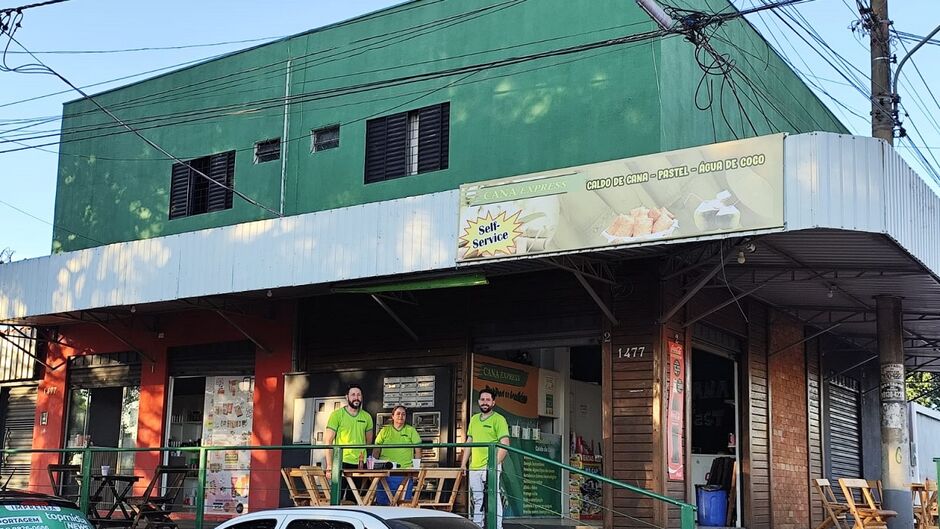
x: 50, y: 418
x: 151, y: 419
x: 268, y: 415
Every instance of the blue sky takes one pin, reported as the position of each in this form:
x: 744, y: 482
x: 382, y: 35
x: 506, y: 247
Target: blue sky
x: 28, y: 177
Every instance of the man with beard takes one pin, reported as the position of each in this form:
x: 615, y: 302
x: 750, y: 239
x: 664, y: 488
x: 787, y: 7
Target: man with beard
x: 488, y: 426
x: 349, y: 425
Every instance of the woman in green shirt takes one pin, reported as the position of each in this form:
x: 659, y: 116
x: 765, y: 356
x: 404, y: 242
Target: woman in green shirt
x: 398, y: 432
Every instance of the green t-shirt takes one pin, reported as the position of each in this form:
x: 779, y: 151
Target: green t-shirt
x: 492, y: 429
x: 350, y: 430
x: 388, y: 435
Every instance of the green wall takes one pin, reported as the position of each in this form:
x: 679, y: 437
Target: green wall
x: 613, y: 102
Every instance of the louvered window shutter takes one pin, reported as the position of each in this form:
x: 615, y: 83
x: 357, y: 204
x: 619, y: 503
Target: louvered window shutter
x: 386, y: 148
x: 222, y: 170
x: 433, y: 141
x: 179, y: 191
x: 375, y: 150
x: 396, y: 146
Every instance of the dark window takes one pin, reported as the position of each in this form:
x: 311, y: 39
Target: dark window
x: 192, y: 193
x: 325, y: 138
x: 319, y: 524
x: 264, y: 523
x: 431, y: 522
x: 267, y: 150
x: 408, y: 143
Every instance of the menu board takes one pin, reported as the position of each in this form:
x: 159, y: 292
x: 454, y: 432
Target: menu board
x: 227, y: 422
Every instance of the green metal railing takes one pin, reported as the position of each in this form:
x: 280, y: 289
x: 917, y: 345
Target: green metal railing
x: 686, y: 511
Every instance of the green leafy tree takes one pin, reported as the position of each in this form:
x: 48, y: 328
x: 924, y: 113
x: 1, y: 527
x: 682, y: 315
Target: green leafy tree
x: 924, y: 389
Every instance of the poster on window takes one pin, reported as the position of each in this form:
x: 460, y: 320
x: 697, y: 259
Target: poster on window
x: 227, y: 422
x: 675, y: 417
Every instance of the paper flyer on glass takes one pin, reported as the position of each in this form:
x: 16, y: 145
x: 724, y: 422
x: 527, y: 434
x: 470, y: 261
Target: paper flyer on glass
x: 227, y: 422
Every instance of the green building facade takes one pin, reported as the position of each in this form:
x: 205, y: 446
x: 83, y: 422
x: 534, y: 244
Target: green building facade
x: 522, y: 86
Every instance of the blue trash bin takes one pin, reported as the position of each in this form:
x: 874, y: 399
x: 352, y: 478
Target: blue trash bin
x: 393, y: 483
x: 712, y: 503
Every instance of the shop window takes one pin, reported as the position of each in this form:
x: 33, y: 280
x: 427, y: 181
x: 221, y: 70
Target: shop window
x: 407, y: 143
x: 268, y: 150
x: 325, y: 138
x: 104, y: 416
x: 319, y: 524
x: 191, y: 193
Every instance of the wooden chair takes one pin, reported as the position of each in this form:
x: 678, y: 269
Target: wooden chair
x: 317, y: 484
x: 925, y: 505
x: 296, y: 487
x: 835, y: 511
x: 433, y: 484
x: 65, y: 481
x: 154, y: 506
x: 866, y: 513
x: 877, y: 493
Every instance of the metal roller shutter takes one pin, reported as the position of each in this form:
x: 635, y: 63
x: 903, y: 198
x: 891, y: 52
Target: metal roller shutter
x: 20, y: 413
x: 104, y: 370
x: 845, y: 436
x: 217, y: 359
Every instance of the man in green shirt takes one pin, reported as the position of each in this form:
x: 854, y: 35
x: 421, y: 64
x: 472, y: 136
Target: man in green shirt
x: 349, y: 425
x: 398, y: 433
x: 488, y: 426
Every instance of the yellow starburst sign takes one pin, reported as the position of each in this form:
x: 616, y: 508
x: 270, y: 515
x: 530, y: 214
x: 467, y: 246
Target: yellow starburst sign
x: 490, y: 236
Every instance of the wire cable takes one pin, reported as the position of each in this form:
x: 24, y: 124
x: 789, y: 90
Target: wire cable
x: 146, y: 140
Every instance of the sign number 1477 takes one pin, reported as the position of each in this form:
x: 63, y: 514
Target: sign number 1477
x: 631, y: 352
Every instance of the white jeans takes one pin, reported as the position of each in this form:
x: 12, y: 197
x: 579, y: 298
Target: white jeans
x: 477, y: 487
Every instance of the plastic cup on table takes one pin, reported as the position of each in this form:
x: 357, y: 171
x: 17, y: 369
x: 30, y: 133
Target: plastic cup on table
x: 105, y: 470
x: 416, y: 463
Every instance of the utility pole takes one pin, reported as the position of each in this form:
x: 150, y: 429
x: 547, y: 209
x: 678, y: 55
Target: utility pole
x: 883, y: 106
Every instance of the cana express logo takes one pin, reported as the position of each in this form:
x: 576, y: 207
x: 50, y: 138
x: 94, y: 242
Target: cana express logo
x: 503, y: 375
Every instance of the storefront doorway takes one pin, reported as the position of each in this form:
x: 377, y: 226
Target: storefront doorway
x: 566, y: 416
x: 714, y: 433
x: 103, y: 405
x: 211, y: 403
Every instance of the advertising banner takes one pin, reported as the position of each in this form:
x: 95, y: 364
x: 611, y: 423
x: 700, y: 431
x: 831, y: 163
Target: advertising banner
x: 726, y: 187
x: 227, y: 422
x: 530, y: 488
x: 675, y: 418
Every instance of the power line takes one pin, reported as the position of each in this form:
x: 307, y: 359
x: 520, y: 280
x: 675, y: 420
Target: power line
x: 148, y: 48
x: 199, y: 88
x: 146, y: 140
x: 333, y: 92
x: 86, y: 128
x: 277, y: 102
x: 56, y: 226
x: 20, y: 9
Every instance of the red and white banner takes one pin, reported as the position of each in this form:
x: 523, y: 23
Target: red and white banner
x: 675, y: 416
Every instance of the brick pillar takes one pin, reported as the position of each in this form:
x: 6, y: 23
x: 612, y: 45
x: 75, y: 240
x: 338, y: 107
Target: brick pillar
x: 789, y: 425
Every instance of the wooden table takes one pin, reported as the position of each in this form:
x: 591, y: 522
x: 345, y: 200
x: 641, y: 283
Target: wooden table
x: 369, y: 482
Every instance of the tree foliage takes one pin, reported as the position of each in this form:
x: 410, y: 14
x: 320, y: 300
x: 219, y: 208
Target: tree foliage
x: 924, y: 389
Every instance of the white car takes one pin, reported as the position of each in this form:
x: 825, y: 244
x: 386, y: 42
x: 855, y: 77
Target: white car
x: 349, y: 517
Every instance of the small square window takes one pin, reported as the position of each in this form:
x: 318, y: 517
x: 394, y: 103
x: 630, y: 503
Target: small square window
x: 325, y: 138
x: 268, y: 150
